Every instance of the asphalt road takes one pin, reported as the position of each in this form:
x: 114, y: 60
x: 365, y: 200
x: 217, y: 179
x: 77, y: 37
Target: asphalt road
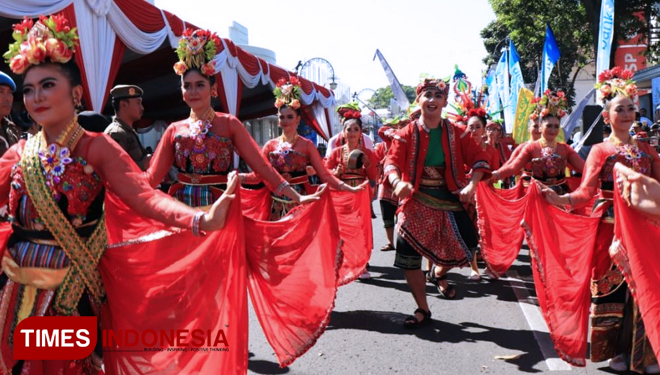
x: 492, y: 327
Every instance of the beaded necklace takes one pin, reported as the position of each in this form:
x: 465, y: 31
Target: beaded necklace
x: 199, y: 127
x: 56, y: 156
x: 628, y: 150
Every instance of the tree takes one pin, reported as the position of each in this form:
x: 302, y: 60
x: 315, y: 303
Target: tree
x: 381, y: 99
x: 575, y: 26
x: 524, y: 22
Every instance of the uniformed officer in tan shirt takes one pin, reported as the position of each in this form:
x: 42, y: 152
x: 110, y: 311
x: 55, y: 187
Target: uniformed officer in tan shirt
x: 9, y: 132
x: 127, y: 103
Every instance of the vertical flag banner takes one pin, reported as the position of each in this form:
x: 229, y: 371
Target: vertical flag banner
x: 493, y: 93
x: 605, y: 36
x: 517, y: 82
x: 550, y: 57
x: 398, y: 92
x: 502, y: 81
x: 523, y: 110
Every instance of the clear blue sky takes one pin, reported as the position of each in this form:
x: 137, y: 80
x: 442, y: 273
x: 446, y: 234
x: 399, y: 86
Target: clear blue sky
x: 424, y: 36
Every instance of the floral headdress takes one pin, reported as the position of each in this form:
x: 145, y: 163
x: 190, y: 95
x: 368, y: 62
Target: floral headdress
x: 349, y: 111
x: 287, y: 93
x: 549, y: 105
x: 433, y: 84
x: 616, y: 81
x: 196, y: 50
x: 48, y: 39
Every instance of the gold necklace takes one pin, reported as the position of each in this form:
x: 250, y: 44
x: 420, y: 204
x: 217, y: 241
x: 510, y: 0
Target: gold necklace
x: 544, y: 143
x: 618, y: 142
x: 70, y: 137
x: 208, y: 115
x: 293, y: 142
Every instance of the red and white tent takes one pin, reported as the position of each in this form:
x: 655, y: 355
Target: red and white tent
x: 129, y: 41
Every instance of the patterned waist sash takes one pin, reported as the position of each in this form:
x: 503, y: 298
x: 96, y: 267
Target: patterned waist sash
x: 201, y: 180
x: 83, y: 255
x: 552, y: 181
x: 433, y: 178
x: 435, y: 203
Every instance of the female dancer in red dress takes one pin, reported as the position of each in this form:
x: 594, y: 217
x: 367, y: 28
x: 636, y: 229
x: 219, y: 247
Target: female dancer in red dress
x: 279, y: 254
x: 548, y: 158
x: 56, y: 185
x: 352, y: 163
x: 202, y: 146
x: 290, y: 154
x: 476, y: 124
x: 615, y: 319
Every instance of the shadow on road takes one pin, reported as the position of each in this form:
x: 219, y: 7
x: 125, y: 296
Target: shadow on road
x: 442, y: 332
x: 392, y: 278
x: 265, y: 367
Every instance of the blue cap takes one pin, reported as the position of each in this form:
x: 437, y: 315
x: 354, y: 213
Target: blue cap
x: 7, y: 81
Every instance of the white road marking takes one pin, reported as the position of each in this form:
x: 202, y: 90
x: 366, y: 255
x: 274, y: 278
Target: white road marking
x: 536, y: 323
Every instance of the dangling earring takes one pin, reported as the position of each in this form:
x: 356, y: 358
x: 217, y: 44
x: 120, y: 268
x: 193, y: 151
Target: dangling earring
x: 606, y: 120
x: 214, y: 93
x: 76, y: 103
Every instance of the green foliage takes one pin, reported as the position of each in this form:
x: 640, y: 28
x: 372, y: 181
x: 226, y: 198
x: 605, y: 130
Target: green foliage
x: 381, y: 99
x: 575, y: 26
x: 524, y: 22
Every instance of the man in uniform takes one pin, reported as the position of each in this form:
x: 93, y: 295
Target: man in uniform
x: 127, y: 103
x: 9, y: 132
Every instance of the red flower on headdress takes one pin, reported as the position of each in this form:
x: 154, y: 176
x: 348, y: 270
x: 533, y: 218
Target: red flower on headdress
x: 294, y: 81
x: 24, y: 26
x: 61, y: 23
x: 479, y: 112
x: 49, y: 38
x: 281, y: 82
x: 616, y: 81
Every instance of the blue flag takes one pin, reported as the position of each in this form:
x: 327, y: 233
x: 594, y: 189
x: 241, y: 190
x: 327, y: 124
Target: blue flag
x: 502, y: 81
x: 550, y: 57
x: 605, y: 36
x: 517, y: 82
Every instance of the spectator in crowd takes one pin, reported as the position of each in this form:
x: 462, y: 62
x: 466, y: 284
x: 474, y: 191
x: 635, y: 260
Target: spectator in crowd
x: 127, y: 103
x: 9, y: 132
x: 645, y: 121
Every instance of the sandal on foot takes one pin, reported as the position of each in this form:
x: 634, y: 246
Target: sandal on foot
x: 448, y: 292
x: 412, y: 321
x: 388, y: 247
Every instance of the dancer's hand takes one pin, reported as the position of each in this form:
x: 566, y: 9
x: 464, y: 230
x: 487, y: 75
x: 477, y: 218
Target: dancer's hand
x: 640, y: 191
x: 304, y: 199
x: 467, y: 192
x: 403, y: 189
x: 338, y: 171
x: 353, y: 189
x: 215, y: 218
x: 551, y: 196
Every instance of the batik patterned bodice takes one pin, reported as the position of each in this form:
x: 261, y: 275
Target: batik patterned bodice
x: 212, y: 154
x: 549, y: 166
x: 287, y: 160
x: 630, y: 156
x: 75, y: 187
